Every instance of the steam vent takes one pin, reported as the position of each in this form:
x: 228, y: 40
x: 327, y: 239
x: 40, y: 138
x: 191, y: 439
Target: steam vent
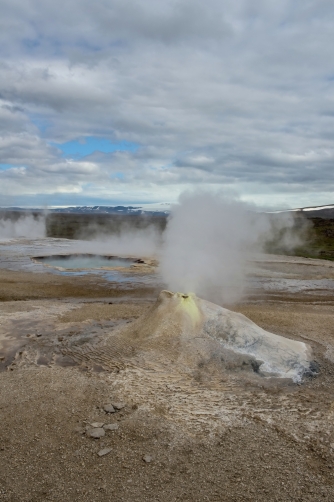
x: 187, y: 332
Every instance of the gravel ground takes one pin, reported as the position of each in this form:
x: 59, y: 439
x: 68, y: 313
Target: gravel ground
x: 276, y: 443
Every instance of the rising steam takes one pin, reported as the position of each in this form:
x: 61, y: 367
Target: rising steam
x: 209, y: 240
x: 127, y: 242
x: 25, y: 226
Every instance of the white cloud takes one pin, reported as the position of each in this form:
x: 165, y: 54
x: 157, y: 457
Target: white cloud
x: 215, y: 93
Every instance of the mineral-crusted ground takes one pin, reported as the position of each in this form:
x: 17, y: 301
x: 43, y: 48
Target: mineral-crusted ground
x: 229, y: 437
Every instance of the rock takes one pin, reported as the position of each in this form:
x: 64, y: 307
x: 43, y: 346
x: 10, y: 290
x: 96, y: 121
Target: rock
x: 108, y: 408
x: 97, y: 424
x: 103, y: 452
x: 80, y: 430
x: 147, y: 458
x: 96, y: 433
x: 111, y: 427
x: 118, y: 406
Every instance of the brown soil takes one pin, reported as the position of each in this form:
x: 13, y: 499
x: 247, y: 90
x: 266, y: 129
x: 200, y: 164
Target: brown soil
x: 16, y: 286
x: 231, y: 440
x: 101, y: 311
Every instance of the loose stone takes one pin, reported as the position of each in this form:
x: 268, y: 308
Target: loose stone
x: 147, y: 458
x: 80, y: 430
x: 97, y: 424
x: 96, y: 433
x: 103, y: 452
x: 108, y: 408
x: 118, y: 406
x: 111, y: 427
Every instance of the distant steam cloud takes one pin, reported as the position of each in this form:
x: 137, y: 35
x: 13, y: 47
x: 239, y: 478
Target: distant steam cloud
x: 128, y: 242
x: 26, y: 226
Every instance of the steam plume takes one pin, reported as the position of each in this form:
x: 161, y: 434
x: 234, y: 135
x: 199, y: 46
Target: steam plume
x: 208, y: 241
x: 26, y: 226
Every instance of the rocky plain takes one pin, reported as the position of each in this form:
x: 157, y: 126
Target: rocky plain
x: 78, y: 423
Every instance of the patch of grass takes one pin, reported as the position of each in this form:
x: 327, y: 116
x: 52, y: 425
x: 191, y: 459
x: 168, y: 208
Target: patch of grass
x: 316, y: 236
x: 321, y: 241
x: 87, y: 226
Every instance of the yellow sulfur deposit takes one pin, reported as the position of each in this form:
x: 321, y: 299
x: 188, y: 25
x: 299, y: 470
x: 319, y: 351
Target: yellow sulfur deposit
x: 188, y: 304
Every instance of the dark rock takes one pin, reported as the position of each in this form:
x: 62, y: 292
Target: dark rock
x: 313, y: 370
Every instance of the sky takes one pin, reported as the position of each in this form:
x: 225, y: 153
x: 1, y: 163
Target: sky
x: 130, y: 102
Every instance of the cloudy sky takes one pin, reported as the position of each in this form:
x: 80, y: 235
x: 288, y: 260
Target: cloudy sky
x: 134, y: 101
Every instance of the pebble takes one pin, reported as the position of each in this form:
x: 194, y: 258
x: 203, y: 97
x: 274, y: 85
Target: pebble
x: 103, y: 452
x: 108, y: 408
x: 147, y: 458
x: 97, y: 424
x: 111, y: 427
x: 80, y: 430
x: 119, y: 406
x: 96, y: 433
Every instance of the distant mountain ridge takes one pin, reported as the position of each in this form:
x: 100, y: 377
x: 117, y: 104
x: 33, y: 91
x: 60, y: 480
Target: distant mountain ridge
x: 163, y: 209
x: 152, y: 209
x: 110, y: 210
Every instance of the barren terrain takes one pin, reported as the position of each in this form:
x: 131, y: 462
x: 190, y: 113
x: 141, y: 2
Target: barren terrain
x: 181, y: 435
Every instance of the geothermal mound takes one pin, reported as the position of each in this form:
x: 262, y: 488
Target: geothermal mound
x: 187, y: 332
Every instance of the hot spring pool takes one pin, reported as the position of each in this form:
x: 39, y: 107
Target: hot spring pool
x: 85, y: 261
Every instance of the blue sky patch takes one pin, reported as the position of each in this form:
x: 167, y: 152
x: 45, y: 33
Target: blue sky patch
x: 39, y: 121
x: 81, y: 147
x: 4, y: 167
x: 118, y: 175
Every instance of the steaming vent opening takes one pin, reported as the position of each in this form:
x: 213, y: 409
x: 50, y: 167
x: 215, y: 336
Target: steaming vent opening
x: 85, y: 261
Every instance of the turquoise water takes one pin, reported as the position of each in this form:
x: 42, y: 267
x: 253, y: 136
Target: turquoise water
x: 76, y: 262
